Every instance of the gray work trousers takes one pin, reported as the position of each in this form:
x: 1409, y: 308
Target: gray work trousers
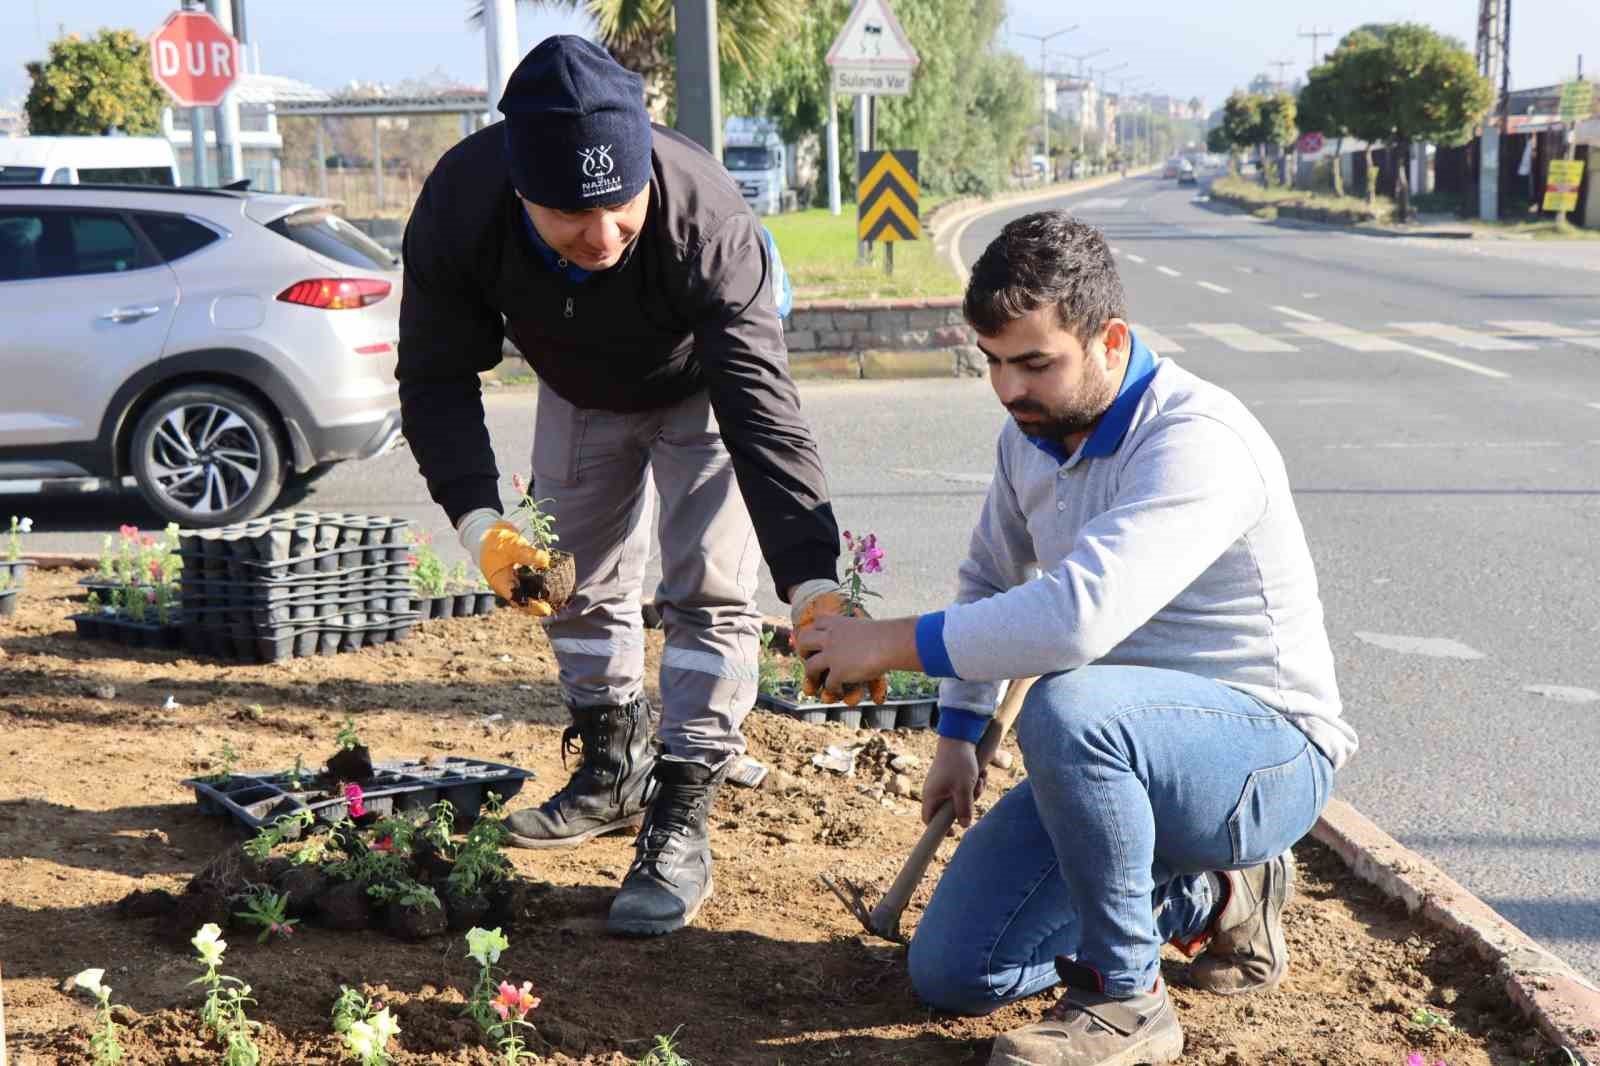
x: 608, y: 473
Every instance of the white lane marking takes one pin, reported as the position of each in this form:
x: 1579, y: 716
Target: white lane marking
x: 1463, y: 445
x: 1292, y: 313
x: 1155, y: 340
x: 1245, y: 270
x: 957, y: 476
x: 1169, y: 272
x: 1134, y: 258
x: 1108, y: 203
x: 1213, y: 287
x: 1357, y: 341
x: 1596, y: 406
x: 1346, y: 337
x: 1462, y: 338
x: 1584, y: 342
x: 1538, y: 329
x: 1438, y: 647
x: 1563, y: 693
x: 1242, y: 338
x: 1308, y: 296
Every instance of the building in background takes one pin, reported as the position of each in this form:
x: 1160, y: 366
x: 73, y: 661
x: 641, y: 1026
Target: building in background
x: 261, y: 144
x: 1079, y: 103
x: 13, y: 122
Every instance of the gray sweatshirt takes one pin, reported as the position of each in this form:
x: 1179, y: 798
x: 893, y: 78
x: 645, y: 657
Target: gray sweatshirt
x: 1169, y: 539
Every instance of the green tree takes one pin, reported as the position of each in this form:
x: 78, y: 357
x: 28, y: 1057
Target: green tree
x: 95, y: 86
x: 1277, y: 127
x: 1241, y: 124
x: 1401, y: 83
x: 639, y: 35
x: 1323, y: 107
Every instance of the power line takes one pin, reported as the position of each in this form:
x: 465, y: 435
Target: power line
x: 1281, y: 64
x: 1315, y: 35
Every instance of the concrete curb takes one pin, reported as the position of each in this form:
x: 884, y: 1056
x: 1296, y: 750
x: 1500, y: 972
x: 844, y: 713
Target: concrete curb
x: 1560, y: 1001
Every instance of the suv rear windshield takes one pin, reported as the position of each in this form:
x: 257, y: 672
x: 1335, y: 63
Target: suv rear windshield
x: 126, y: 176
x: 20, y: 175
x: 327, y: 234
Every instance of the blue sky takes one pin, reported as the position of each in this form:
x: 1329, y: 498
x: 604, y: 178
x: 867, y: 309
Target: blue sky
x: 1177, y: 46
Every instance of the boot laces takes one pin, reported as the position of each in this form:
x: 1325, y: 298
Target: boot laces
x: 575, y: 740
x: 672, y: 816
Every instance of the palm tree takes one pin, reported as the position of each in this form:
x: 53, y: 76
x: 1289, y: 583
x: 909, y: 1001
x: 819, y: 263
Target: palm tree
x: 639, y: 35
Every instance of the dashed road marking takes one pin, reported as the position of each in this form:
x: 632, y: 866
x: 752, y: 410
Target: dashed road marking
x: 1135, y: 258
x: 1169, y: 272
x: 1161, y: 343
x: 1538, y: 329
x: 1346, y: 337
x: 1437, y: 647
x: 1242, y: 338
x: 1292, y: 313
x: 1213, y: 287
x: 1563, y: 693
x: 1462, y: 338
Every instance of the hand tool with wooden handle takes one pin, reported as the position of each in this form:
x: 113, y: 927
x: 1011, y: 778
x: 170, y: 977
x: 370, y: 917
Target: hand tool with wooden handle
x: 884, y: 919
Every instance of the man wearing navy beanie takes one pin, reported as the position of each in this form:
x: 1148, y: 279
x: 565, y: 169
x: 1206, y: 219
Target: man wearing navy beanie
x: 621, y: 260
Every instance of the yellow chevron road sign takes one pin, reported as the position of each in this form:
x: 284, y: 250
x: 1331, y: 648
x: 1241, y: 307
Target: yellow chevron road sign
x: 886, y: 197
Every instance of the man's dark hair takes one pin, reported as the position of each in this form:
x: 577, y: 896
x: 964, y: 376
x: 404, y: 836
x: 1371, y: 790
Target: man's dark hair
x: 1046, y: 258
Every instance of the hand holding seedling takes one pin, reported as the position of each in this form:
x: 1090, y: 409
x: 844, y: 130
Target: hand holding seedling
x: 840, y: 641
x: 511, y: 551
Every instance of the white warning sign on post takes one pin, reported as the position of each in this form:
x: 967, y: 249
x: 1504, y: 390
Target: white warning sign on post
x: 872, y: 54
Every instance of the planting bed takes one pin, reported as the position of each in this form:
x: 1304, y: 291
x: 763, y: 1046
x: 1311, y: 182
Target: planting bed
x: 774, y: 970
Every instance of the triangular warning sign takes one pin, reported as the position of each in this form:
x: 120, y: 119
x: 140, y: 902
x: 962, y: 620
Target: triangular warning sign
x: 872, y: 37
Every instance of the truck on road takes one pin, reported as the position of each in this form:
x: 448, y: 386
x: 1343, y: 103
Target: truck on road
x: 754, y: 153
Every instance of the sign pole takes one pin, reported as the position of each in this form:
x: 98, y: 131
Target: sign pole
x: 863, y: 248
x: 833, y: 149
x: 197, y: 131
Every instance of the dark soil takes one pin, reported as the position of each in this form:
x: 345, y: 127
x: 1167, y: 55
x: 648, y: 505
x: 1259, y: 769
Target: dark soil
x: 414, y: 922
x: 554, y: 586
x: 345, y: 906
x: 351, y: 764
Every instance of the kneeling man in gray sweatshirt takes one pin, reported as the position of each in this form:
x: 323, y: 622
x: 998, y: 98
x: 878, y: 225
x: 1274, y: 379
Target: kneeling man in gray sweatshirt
x: 1140, y: 552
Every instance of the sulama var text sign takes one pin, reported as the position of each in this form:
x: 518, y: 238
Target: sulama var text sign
x: 194, y: 59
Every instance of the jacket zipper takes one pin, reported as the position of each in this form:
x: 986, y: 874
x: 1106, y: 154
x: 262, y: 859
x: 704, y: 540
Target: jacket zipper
x: 567, y: 311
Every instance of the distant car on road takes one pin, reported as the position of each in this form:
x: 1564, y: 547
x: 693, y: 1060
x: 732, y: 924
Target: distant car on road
x: 210, y: 344
x: 1171, y: 169
x: 1187, y: 175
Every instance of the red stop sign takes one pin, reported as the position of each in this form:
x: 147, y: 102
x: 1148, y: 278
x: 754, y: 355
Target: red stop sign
x: 194, y: 58
x: 1310, y: 143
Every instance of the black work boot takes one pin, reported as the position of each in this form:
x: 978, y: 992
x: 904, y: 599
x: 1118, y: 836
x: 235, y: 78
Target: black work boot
x: 671, y: 873
x: 611, y: 787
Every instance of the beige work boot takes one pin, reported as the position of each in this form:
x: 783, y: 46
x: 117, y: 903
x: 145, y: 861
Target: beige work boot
x: 1247, y: 951
x: 1086, y: 1027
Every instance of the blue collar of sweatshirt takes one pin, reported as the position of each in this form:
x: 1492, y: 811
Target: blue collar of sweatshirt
x: 1108, y: 435
x: 548, y: 254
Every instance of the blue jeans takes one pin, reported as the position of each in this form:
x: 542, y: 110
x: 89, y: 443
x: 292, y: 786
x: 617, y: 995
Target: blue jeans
x: 1139, y: 782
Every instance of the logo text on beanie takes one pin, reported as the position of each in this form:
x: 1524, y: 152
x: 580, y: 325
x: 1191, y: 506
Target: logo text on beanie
x: 599, y: 168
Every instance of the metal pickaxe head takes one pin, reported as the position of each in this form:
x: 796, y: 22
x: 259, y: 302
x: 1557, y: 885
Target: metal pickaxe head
x: 854, y: 899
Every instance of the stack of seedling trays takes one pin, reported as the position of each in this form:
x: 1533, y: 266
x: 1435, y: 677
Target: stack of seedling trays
x: 295, y: 584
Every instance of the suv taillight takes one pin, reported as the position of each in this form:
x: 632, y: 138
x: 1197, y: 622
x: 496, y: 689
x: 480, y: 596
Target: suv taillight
x: 335, y: 294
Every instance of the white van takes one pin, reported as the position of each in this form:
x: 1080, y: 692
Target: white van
x: 87, y: 161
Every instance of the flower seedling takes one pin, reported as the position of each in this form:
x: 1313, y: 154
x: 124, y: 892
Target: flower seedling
x: 665, y: 1053
x: 529, y: 515
x: 226, y: 758
x: 407, y: 893
x: 288, y: 827
x: 103, y: 1044
x: 1416, y: 1058
x: 347, y: 737
x: 355, y: 801
x: 365, y: 1026
x: 223, y: 1012
x: 484, y: 946
x: 297, y: 776
x: 1428, y: 1018
x: 511, y: 1006
x: 19, y: 526
x: 269, y: 910
x: 479, y: 862
x: 865, y: 558
x: 427, y: 569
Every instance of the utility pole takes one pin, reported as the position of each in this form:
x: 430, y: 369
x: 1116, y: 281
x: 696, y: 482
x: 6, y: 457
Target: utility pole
x: 1282, y: 65
x: 1315, y: 35
x: 1044, y: 103
x: 500, y: 47
x: 1083, y: 95
x: 699, y: 74
x: 1493, y: 27
x: 1100, y: 73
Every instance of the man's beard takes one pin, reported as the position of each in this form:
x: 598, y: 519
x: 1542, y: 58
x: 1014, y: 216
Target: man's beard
x: 1077, y: 415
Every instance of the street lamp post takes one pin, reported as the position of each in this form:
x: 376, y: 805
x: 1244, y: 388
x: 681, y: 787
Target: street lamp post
x: 1044, y: 103
x: 1101, y: 72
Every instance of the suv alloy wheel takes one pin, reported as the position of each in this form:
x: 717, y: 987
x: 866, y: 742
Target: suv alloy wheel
x: 207, y: 455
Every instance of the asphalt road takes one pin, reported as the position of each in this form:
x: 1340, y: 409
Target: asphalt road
x: 1438, y: 406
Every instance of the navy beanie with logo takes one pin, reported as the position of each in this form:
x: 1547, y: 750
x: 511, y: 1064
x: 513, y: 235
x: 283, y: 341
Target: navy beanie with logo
x: 577, y: 133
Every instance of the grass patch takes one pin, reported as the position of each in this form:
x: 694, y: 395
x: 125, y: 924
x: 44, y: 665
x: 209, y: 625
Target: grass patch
x: 819, y: 252
x: 1269, y: 202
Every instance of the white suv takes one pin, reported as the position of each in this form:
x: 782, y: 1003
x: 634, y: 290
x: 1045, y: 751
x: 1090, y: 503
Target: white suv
x: 208, y: 343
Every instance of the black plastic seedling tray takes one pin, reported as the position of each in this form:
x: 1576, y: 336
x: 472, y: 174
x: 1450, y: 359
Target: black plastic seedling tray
x: 920, y: 713
x: 254, y: 800
x: 93, y: 625
x: 8, y: 602
x: 454, y: 605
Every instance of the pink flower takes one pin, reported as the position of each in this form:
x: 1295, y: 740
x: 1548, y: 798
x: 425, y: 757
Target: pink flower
x: 383, y: 844
x: 354, y: 801
x: 148, y: 540
x: 518, y: 484
x: 411, y: 557
x: 155, y: 569
x: 424, y: 538
x: 513, y: 1000
x: 1416, y: 1059
x: 129, y: 532
x: 150, y: 596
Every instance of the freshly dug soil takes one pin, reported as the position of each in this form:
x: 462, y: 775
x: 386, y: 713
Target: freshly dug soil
x: 351, y: 764
x: 301, y: 885
x: 345, y: 906
x: 414, y: 923
x: 465, y: 911
x: 773, y: 969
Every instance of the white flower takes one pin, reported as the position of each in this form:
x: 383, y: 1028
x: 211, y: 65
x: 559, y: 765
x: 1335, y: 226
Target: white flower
x: 384, y: 1027
x: 209, y: 944
x: 89, y: 981
x: 485, y: 945
x: 25, y: 526
x: 361, y: 1039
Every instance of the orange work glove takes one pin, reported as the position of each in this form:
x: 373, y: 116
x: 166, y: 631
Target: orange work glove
x: 849, y: 693
x: 501, y: 549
